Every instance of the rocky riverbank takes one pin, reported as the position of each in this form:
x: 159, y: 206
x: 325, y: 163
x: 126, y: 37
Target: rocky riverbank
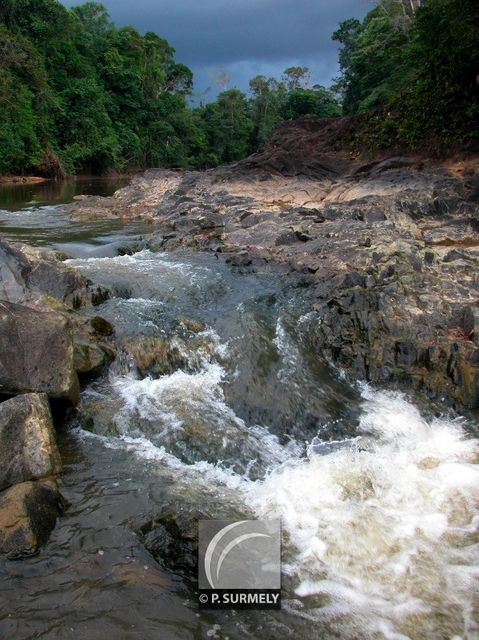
x: 47, y: 346
x: 391, y: 247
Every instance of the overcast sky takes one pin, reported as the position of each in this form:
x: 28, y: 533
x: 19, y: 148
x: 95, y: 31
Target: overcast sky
x: 243, y: 37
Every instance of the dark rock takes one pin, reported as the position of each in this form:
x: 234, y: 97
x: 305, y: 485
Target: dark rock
x: 471, y: 323
x: 354, y: 279
x: 302, y: 234
x: 36, y: 353
x: 286, y: 238
x: 172, y: 539
x: 28, y: 450
x: 211, y: 221
x: 28, y: 513
x: 101, y: 326
x: 453, y: 255
x: 374, y: 215
x: 240, y: 259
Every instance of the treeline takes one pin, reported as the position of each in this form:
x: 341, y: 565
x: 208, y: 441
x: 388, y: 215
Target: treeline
x: 414, y: 65
x: 78, y: 94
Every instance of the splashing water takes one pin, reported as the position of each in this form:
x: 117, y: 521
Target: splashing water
x: 384, y: 533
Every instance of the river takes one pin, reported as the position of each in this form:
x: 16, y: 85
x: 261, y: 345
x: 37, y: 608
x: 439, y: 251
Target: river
x: 377, y: 492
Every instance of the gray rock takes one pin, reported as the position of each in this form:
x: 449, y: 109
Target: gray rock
x: 13, y: 266
x: 36, y: 353
x: 28, y: 449
x: 26, y: 272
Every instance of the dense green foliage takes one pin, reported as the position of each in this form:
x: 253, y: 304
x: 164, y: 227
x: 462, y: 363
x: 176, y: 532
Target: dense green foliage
x: 79, y: 94
x: 417, y: 63
x: 76, y: 93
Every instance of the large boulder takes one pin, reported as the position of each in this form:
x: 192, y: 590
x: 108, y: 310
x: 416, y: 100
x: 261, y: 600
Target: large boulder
x: 28, y: 272
x: 36, y: 353
x: 28, y: 513
x: 28, y: 449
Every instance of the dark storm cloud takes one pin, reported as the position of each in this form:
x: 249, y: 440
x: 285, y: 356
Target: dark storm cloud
x: 245, y: 37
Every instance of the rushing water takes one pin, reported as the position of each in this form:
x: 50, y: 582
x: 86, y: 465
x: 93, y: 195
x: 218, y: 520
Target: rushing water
x: 378, y: 500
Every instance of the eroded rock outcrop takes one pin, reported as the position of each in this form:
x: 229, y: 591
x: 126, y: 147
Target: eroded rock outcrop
x: 390, y: 244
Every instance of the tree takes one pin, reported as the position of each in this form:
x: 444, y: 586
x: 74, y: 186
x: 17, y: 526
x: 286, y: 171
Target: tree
x: 228, y: 126
x: 296, y: 78
x: 267, y: 97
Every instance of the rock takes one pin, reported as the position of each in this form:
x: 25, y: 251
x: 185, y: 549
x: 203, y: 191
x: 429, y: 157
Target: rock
x: 286, y: 238
x: 211, y: 221
x: 301, y: 233
x: 89, y: 358
x: 453, y: 255
x: 172, y: 535
x: 36, y: 353
x: 192, y: 325
x: 101, y: 326
x: 172, y: 539
x: 154, y: 356
x: 374, y: 215
x: 28, y: 513
x: 240, y: 259
x: 26, y: 272
x: 28, y: 449
x: 13, y: 265
x: 49, y: 276
x: 471, y: 323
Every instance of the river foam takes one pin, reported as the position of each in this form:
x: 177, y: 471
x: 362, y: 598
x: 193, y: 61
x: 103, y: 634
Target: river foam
x: 384, y: 532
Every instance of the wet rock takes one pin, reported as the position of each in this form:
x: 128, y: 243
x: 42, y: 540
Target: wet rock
x: 28, y: 449
x: 89, y: 358
x: 36, y: 353
x: 101, y: 326
x: 154, y: 356
x: 172, y: 535
x: 28, y: 513
x: 192, y: 325
x: 172, y: 539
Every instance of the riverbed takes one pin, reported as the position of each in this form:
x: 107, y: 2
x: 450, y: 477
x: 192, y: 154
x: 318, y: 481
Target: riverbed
x: 376, y: 491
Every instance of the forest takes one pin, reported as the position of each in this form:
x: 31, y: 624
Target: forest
x: 79, y: 95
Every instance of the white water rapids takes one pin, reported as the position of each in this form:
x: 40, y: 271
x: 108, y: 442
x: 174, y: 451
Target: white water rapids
x: 381, y: 530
